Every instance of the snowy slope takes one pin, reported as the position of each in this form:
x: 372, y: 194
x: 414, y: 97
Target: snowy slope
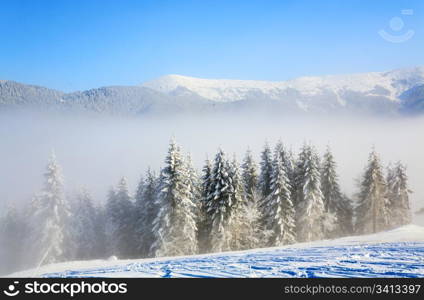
x: 395, y: 253
x: 390, y: 84
x: 14, y: 94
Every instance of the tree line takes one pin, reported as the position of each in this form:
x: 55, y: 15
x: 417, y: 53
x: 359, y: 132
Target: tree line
x: 229, y: 206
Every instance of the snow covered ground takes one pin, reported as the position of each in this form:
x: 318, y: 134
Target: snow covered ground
x: 395, y: 253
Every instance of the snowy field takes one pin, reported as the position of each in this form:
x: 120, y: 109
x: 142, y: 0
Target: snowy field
x: 395, y: 253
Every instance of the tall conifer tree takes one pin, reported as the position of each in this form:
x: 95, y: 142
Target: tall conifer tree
x: 310, y: 205
x: 175, y: 226
x: 371, y: 211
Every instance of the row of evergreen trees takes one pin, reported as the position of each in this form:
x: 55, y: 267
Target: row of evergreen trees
x: 228, y: 207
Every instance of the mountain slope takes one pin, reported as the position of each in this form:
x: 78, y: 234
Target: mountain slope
x: 389, y: 84
x: 378, y: 93
x: 413, y: 100
x: 113, y: 100
x: 395, y: 253
x: 132, y: 100
x: 14, y: 94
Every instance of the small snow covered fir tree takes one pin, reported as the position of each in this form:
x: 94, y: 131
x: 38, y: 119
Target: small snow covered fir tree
x: 398, y: 196
x: 371, y: 211
x: 175, y: 224
x: 310, y: 205
x: 252, y: 233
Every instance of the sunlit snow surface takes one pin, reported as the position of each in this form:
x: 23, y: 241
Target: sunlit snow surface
x: 396, y: 253
x: 380, y: 260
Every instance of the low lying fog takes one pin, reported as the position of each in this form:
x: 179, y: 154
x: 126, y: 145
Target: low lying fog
x: 96, y: 151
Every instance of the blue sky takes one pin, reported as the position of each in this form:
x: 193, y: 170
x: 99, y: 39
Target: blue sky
x: 80, y: 44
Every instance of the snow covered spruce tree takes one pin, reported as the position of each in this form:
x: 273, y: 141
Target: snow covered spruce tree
x: 264, y: 180
x: 266, y: 171
x: 49, y: 218
x: 111, y: 217
x: 250, y: 178
x: 195, y: 186
x: 338, y: 209
x: 250, y: 233
x: 146, y: 212
x: 286, y: 157
x: 204, y: 219
x: 299, y: 174
x: 121, y: 212
x: 278, y: 206
x: 194, y: 181
x: 309, y: 205
x: 288, y: 161
x: 101, y: 248
x: 138, y: 196
x: 139, y: 216
x: 398, y: 196
x: 371, y: 211
x: 84, y: 227
x: 248, y: 214
x: 220, y: 204
x: 289, y: 164
x: 175, y: 225
x: 242, y: 225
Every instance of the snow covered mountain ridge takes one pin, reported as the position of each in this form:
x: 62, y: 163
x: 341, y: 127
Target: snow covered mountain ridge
x: 391, y: 83
x: 376, y: 93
